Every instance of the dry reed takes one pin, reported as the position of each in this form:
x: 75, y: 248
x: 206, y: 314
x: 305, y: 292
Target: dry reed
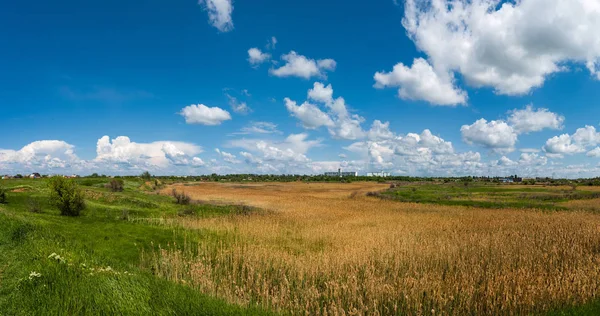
x: 322, y: 252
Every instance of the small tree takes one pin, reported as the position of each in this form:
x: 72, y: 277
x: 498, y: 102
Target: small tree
x: 146, y: 175
x: 66, y: 196
x: 181, y: 198
x: 3, y: 191
x: 116, y: 185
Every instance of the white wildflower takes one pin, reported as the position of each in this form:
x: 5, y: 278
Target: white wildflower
x: 34, y: 274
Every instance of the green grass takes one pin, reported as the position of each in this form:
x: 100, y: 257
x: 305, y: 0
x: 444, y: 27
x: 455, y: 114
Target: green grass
x: 96, y: 240
x: 487, y: 195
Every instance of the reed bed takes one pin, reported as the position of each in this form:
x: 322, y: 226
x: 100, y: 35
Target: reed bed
x: 331, y: 252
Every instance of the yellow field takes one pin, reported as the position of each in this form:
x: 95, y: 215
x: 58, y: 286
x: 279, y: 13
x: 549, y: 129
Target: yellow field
x: 329, y: 249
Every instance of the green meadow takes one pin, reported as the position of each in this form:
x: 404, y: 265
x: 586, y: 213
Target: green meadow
x: 91, y: 264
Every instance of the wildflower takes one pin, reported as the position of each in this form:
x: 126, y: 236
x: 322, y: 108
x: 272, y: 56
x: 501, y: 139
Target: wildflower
x: 34, y: 274
x: 56, y: 257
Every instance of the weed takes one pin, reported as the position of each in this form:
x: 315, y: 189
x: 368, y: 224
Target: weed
x: 181, y: 198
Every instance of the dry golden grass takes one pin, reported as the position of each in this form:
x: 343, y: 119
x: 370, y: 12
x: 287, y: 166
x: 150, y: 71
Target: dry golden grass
x: 327, y: 250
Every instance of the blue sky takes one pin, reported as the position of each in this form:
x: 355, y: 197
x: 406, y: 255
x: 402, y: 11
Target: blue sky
x: 400, y: 86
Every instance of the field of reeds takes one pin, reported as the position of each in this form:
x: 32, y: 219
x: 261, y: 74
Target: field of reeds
x: 330, y: 249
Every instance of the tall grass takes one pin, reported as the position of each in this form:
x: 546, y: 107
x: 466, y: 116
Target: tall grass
x: 332, y: 254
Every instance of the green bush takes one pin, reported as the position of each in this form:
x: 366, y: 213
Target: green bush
x: 66, y: 196
x: 3, y: 191
x: 146, y: 175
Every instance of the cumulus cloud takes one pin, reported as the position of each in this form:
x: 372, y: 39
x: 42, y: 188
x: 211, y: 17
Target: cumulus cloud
x: 257, y: 57
x: 227, y: 157
x: 310, y: 116
x: 422, y: 82
x: 202, y: 114
x: 321, y: 93
x: 285, y: 156
x: 219, y: 13
x: 512, y: 46
x: 594, y: 152
x: 122, y: 153
x: 338, y: 119
x: 380, y: 131
x: 531, y: 120
x: 41, y: 155
x: 300, y: 66
x: 495, y: 135
x: 573, y: 144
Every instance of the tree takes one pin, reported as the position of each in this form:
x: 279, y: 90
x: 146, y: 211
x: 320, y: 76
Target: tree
x: 66, y: 196
x: 146, y: 175
x: 94, y: 175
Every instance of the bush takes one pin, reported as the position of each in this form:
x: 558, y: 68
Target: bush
x: 116, y: 185
x: 66, y: 196
x: 181, y: 198
x: 34, y: 205
x: 3, y: 191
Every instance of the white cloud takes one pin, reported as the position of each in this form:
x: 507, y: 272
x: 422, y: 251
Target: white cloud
x: 586, y: 136
x: 259, y: 128
x: 529, y: 150
x: 339, y: 121
x: 272, y: 43
x: 219, y: 13
x: 504, y: 161
x: 238, y: 106
x: 594, y: 152
x: 577, y: 143
x: 309, y: 115
x: 122, y: 153
x: 286, y: 156
x: 321, y: 93
x: 43, y: 155
x: 227, y: 157
x: 300, y: 66
x: 422, y: 82
x: 530, y: 120
x: 528, y: 159
x: 380, y: 131
x: 495, y: 135
x: 511, y: 47
x: 257, y: 57
x: 562, y: 145
x: 201, y: 114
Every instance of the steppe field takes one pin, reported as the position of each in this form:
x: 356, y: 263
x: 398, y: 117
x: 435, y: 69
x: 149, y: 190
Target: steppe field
x: 303, y: 249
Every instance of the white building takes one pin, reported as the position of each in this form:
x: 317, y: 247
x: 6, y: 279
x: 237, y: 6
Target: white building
x: 379, y: 174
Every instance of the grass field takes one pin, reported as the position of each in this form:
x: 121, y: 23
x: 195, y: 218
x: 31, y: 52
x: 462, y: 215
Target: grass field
x: 302, y: 248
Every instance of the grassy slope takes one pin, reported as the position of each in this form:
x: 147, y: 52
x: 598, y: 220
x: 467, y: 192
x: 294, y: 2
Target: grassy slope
x: 97, y: 240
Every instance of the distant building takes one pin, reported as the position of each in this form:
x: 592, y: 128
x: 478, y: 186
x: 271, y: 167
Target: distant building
x: 379, y: 174
x: 6, y: 177
x: 341, y: 174
x: 35, y: 175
